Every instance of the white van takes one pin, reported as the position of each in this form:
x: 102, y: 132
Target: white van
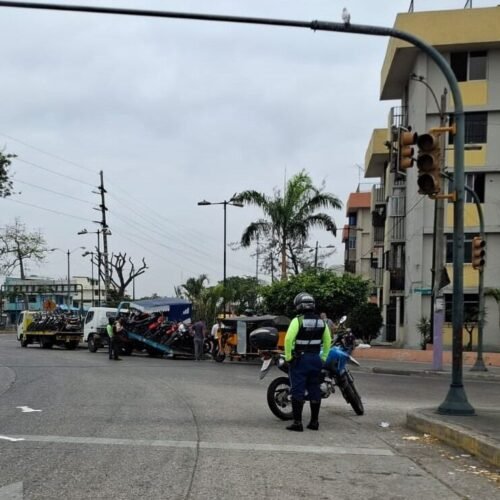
x: 94, y: 326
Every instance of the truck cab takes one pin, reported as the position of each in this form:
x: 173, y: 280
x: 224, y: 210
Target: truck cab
x: 94, y: 326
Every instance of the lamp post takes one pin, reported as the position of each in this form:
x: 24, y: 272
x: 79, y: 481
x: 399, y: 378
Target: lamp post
x: 98, y: 232
x: 69, y: 252
x: 92, y: 274
x: 315, y: 249
x: 225, y: 203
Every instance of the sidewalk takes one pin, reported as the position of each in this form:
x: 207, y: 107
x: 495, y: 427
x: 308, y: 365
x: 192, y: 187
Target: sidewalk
x: 477, y: 434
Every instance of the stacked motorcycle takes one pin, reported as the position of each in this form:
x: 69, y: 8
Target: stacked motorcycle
x: 334, y: 375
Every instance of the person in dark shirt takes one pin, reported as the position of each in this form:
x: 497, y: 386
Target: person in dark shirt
x: 199, y: 339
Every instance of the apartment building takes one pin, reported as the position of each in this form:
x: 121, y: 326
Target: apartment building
x: 469, y: 39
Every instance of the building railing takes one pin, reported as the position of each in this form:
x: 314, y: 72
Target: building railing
x: 378, y: 278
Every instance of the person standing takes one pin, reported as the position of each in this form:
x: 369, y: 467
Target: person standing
x: 328, y: 322
x: 199, y: 339
x: 110, y: 332
x: 216, y: 336
x: 115, y: 339
x: 307, y: 334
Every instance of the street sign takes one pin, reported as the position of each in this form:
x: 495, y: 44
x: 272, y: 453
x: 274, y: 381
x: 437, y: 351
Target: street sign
x: 423, y: 291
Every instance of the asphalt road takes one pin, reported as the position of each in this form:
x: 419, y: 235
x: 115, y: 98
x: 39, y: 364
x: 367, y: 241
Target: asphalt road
x: 178, y: 429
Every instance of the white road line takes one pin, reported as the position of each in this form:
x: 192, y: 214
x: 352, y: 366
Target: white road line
x: 207, y: 445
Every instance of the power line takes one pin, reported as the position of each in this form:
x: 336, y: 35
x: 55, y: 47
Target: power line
x: 54, y: 192
x: 54, y: 172
x: 49, y: 154
x: 47, y: 209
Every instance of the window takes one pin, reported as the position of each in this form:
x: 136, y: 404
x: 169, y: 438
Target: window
x: 476, y: 128
x: 471, y: 305
x: 89, y: 317
x: 353, y: 219
x: 469, y: 65
x: 352, y: 242
x: 475, y: 182
x: 467, y: 248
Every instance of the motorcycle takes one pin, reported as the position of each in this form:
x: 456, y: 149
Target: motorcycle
x: 335, y: 374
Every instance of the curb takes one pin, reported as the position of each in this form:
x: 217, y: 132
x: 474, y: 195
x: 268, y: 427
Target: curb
x: 433, y: 373
x: 456, y: 435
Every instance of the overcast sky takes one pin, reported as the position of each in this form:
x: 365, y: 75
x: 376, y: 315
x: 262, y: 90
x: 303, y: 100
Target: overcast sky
x: 175, y: 112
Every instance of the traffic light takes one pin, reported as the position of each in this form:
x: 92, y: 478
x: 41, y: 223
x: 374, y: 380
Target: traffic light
x: 429, y: 164
x: 405, y: 151
x: 478, y: 252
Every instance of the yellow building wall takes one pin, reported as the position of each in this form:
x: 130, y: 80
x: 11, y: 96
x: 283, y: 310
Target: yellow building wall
x: 474, y: 93
x: 471, y: 218
x: 471, y: 276
x: 472, y: 158
x: 448, y: 336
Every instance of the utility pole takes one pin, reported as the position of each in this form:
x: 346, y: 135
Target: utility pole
x: 316, y: 257
x: 257, y: 261
x: 438, y: 264
x: 105, y: 233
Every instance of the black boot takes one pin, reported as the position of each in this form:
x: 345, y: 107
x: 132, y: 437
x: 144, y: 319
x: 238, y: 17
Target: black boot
x: 314, y: 424
x: 297, y: 416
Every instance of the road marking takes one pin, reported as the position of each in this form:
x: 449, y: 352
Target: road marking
x: 7, y: 438
x: 207, y: 445
x: 26, y: 409
x: 12, y: 491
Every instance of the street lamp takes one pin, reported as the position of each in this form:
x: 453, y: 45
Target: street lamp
x: 69, y: 252
x: 315, y: 249
x: 92, y: 275
x: 225, y: 203
x: 98, y: 232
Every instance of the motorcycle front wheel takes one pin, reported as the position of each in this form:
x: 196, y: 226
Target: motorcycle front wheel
x: 278, y: 398
x: 353, y: 398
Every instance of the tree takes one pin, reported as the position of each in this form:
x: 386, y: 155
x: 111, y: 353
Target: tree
x: 242, y: 293
x: 5, y: 179
x: 289, y: 217
x: 192, y: 289
x: 119, y: 277
x: 365, y: 321
x: 17, y: 246
x: 335, y: 295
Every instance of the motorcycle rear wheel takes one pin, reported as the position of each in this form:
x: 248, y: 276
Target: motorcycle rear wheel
x: 353, y: 398
x: 278, y: 398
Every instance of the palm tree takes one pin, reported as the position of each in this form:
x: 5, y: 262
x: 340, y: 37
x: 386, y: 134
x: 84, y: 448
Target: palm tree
x: 193, y: 288
x: 290, y: 217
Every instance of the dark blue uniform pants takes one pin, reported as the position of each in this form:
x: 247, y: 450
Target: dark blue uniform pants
x: 304, y: 375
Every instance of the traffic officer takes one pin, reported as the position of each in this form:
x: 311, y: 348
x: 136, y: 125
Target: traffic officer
x: 305, y: 337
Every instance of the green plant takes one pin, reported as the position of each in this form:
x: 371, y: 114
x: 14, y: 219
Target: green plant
x: 424, y: 328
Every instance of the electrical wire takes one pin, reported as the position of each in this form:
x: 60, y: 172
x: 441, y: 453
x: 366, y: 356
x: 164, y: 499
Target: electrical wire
x: 53, y: 172
x: 47, y: 209
x: 54, y: 192
x: 49, y: 154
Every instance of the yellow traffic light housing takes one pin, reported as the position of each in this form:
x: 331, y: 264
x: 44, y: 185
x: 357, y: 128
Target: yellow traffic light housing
x: 429, y: 164
x: 405, y: 151
x: 478, y: 253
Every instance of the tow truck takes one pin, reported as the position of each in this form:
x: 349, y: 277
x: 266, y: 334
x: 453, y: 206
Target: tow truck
x: 49, y: 329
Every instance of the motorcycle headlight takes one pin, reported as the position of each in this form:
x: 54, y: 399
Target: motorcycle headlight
x: 281, y: 361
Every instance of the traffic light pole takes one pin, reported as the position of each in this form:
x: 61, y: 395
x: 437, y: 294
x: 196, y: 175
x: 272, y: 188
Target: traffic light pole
x: 479, y: 365
x: 456, y: 402
x: 438, y: 261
